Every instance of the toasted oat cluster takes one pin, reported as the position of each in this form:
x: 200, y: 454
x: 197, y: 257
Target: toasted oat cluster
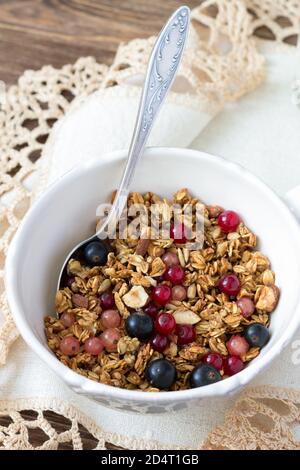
x: 160, y: 314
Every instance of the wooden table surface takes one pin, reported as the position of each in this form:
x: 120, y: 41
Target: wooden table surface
x: 38, y: 32
x: 34, y: 33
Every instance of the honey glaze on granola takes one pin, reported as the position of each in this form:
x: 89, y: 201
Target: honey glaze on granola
x: 200, y: 315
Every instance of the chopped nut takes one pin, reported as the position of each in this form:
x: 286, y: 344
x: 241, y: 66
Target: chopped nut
x: 268, y: 298
x: 186, y: 254
x: 137, y: 297
x: 181, y: 257
x: 142, y: 247
x: 80, y: 301
x: 158, y: 267
x: 105, y: 285
x: 185, y: 317
x: 191, y: 292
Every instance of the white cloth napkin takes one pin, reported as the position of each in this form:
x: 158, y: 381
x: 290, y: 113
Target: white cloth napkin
x: 261, y: 131
x: 105, y: 120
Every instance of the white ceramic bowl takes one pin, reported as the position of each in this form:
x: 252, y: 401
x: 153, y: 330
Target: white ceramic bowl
x: 65, y: 215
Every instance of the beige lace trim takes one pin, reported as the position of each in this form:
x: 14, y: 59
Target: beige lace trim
x: 279, y: 18
x: 27, y: 114
x: 222, y: 63
x: 16, y: 432
x: 262, y: 418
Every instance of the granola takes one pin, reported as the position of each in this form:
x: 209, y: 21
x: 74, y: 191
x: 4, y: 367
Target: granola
x: 204, y: 306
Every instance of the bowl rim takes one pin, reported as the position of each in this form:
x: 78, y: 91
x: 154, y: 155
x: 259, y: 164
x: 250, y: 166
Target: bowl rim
x: 84, y: 385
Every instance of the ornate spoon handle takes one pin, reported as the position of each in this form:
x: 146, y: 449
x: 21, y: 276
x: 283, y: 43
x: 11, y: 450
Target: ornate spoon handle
x: 162, y: 67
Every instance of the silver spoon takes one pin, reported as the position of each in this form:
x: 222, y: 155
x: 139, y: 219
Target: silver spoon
x: 162, y: 67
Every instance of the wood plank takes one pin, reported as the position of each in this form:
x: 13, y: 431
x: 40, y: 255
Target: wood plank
x: 38, y: 32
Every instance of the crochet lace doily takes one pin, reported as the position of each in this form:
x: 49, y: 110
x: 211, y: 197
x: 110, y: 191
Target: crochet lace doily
x: 263, y: 418
x: 223, y: 63
x: 16, y: 432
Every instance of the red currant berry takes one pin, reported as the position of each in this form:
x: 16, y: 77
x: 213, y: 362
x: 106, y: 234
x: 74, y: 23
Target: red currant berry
x: 228, y: 221
x: 67, y: 319
x: 237, y: 345
x: 247, y: 306
x: 229, y: 284
x: 179, y: 293
x: 232, y: 365
x: 93, y: 346
x: 110, y: 338
x: 159, y: 342
x: 161, y: 294
x: 110, y: 319
x: 179, y: 233
x: 174, y: 274
x: 165, y: 323
x: 151, y: 309
x: 107, y: 300
x: 213, y: 359
x: 185, y: 334
x: 170, y: 258
x: 69, y: 346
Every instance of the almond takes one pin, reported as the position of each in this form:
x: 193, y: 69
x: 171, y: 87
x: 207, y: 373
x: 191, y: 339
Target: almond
x: 186, y: 317
x: 80, y: 301
x: 142, y: 246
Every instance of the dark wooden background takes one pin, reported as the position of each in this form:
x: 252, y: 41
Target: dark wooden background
x: 34, y: 33
x: 38, y: 32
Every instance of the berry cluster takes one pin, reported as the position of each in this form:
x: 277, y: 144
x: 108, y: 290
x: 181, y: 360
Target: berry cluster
x: 157, y: 325
x: 110, y: 320
x: 213, y: 365
x: 94, y: 253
